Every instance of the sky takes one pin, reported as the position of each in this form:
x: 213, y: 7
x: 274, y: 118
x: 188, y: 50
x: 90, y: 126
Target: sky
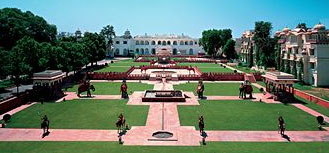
x: 188, y: 17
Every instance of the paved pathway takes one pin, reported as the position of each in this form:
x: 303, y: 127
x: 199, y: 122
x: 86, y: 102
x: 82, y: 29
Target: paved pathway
x: 163, y: 116
x: 12, y: 112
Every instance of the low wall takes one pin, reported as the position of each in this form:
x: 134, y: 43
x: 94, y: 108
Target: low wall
x: 311, y: 98
x: 12, y: 103
x: 258, y: 76
x: 222, y: 76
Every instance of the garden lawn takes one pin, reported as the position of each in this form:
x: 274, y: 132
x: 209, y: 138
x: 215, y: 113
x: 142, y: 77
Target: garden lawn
x: 113, y: 88
x: 208, y: 67
x: 245, y: 115
x: 80, y: 114
x: 314, y: 106
x: 245, y: 69
x: 211, y: 147
x: 121, y: 66
x: 214, y: 89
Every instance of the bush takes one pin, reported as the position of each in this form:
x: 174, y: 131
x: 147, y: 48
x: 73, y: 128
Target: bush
x: 106, y: 64
x: 235, y: 71
x: 261, y: 90
x: 6, y: 118
x: 224, y: 66
x: 112, y: 62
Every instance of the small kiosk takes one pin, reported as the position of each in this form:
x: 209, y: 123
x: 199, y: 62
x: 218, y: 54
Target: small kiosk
x: 280, y: 84
x: 47, y: 84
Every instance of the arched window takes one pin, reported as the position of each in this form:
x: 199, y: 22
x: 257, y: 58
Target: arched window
x: 191, y: 51
x: 175, y: 43
x: 195, y: 42
x: 137, y: 51
x: 153, y: 51
x: 137, y: 42
x: 175, y: 51
x: 181, y: 42
x: 191, y: 42
x: 117, y: 51
x: 159, y: 42
x: 147, y: 51
x: 186, y: 42
x: 147, y: 43
x: 153, y: 43
x: 142, y: 51
x: 142, y: 42
x: 125, y: 52
x: 164, y: 43
x: 168, y: 42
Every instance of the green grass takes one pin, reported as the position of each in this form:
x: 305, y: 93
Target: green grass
x: 314, y: 106
x: 214, y: 89
x: 300, y: 86
x: 245, y: 115
x: 114, y: 69
x: 208, y: 67
x: 261, y: 83
x: 121, y: 66
x: 6, y: 83
x: 244, y: 69
x: 80, y: 114
x: 113, y: 88
x: 211, y: 147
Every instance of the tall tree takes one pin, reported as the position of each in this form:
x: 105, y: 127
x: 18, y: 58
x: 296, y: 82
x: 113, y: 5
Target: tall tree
x: 302, y: 26
x: 213, y: 40
x: 109, y: 33
x: 4, y: 63
x: 16, y: 24
x: 264, y: 44
x: 229, y: 50
x: 95, y: 46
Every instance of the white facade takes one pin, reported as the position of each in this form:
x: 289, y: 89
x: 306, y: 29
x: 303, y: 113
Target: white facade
x: 311, y: 47
x: 148, y: 45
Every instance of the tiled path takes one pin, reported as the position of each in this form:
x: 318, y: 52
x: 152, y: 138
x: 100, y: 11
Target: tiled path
x: 169, y: 121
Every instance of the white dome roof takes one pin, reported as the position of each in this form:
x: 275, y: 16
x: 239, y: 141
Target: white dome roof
x: 319, y: 27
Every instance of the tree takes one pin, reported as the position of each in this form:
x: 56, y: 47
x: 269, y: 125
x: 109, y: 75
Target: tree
x: 213, y: 40
x: 16, y: 24
x: 229, y: 50
x: 294, y: 66
x: 109, y: 33
x: 278, y: 58
x: 301, y: 70
x: 264, y: 44
x: 19, y: 65
x: 75, y: 54
x: 95, y: 46
x: 4, y: 63
x: 302, y: 26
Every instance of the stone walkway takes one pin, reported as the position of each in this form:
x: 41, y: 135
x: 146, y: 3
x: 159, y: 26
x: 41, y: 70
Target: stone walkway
x: 164, y: 116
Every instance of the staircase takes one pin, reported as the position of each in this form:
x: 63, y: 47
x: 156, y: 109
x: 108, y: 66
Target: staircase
x: 249, y: 77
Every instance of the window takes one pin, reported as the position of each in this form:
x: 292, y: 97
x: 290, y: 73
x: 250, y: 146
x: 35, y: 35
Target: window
x: 191, y: 42
x: 153, y: 51
x: 186, y: 43
x: 311, y: 51
x: 175, y: 51
x: 142, y: 51
x: 153, y: 43
x: 312, y: 65
x: 117, y: 51
x: 175, y: 43
x: 117, y: 42
x: 137, y: 42
x: 181, y: 42
x: 168, y: 42
x: 147, y: 43
x: 191, y: 51
x: 124, y: 42
x: 142, y: 42
x: 147, y: 51
x: 164, y: 43
x: 159, y: 42
x: 195, y: 43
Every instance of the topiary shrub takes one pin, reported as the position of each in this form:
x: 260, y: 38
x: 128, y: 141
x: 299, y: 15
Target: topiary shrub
x: 106, y: 64
x: 224, y: 66
x: 112, y: 62
x: 261, y: 90
x: 6, y: 118
x: 235, y: 71
x: 320, y: 120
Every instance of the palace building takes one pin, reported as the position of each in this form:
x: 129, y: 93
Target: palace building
x: 247, y: 48
x: 307, y: 51
x: 149, y: 45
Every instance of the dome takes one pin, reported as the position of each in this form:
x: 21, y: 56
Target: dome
x: 286, y: 29
x: 319, y: 27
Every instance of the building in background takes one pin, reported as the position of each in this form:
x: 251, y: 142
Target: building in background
x: 149, y: 45
x: 247, y: 48
x: 307, y: 52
